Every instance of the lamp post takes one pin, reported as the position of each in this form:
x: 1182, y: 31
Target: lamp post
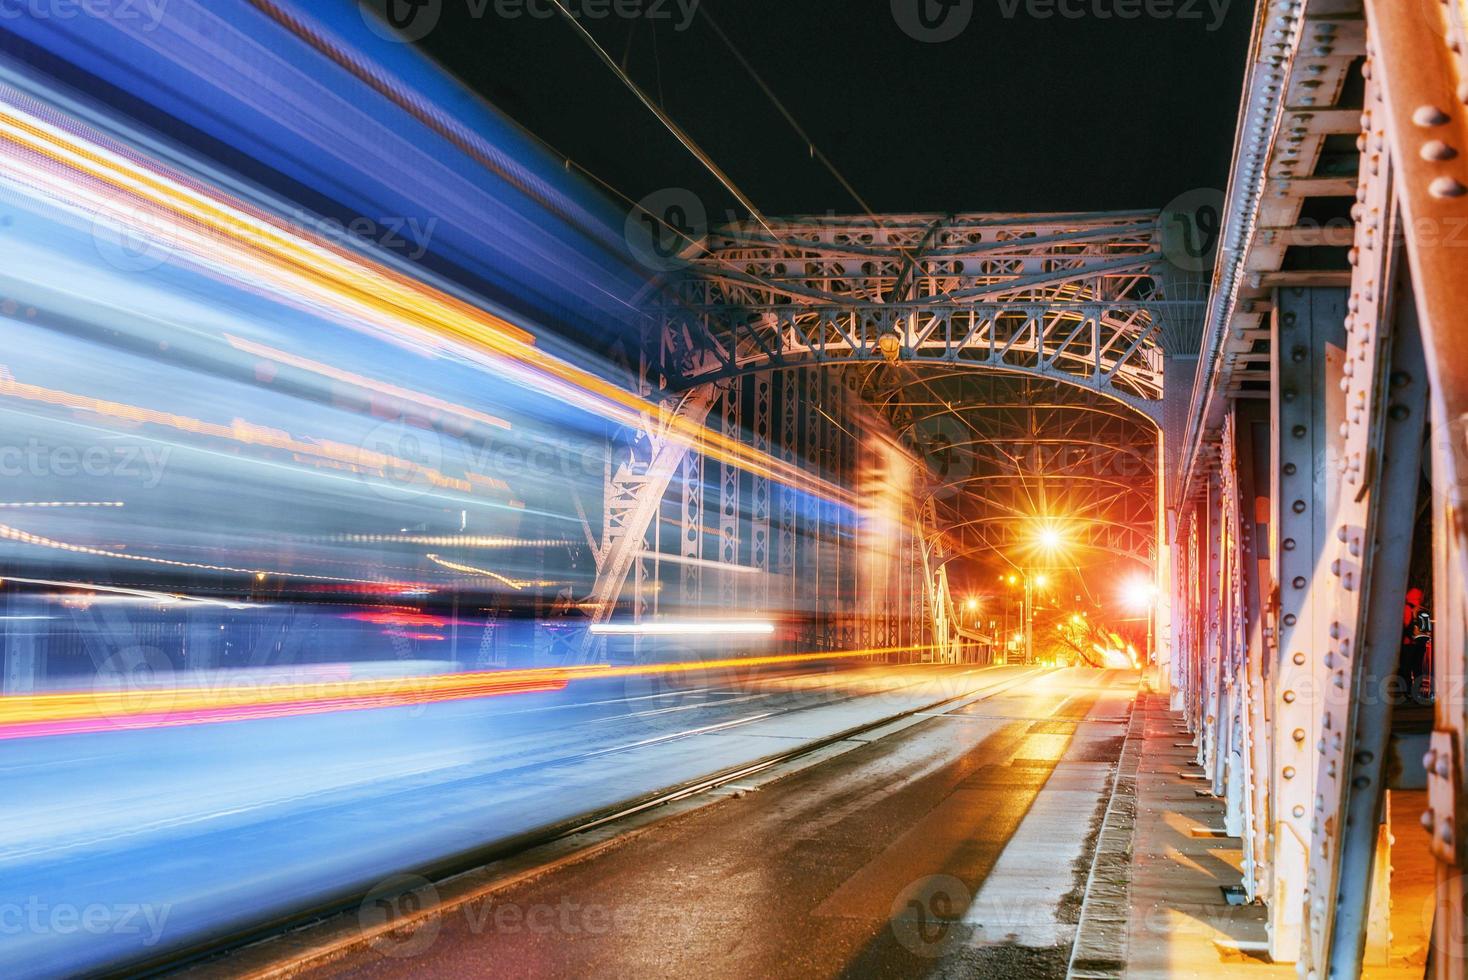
x: 1141, y: 595
x: 1032, y: 581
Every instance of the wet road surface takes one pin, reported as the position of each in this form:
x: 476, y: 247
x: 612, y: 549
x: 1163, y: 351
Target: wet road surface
x: 873, y: 863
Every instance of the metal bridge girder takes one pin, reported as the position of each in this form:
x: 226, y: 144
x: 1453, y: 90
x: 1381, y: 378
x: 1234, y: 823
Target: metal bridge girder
x: 1082, y: 299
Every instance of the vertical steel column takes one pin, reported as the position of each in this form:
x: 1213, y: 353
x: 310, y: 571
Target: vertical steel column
x: 789, y: 385
x: 1308, y: 355
x: 1386, y: 399
x: 856, y: 622
x: 1189, y: 676
x: 729, y: 477
x: 1212, y: 744
x: 813, y: 555
x: 1236, y: 760
x: 24, y: 651
x: 1251, y: 434
x: 759, y: 540
x: 1444, y: 761
x: 1372, y: 558
x: 1416, y: 54
x: 831, y: 550
x: 690, y: 526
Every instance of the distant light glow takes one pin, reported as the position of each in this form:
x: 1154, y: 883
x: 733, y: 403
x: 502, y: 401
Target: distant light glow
x: 1139, y: 593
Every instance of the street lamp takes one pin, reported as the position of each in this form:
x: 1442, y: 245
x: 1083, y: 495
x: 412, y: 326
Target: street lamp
x: 889, y: 344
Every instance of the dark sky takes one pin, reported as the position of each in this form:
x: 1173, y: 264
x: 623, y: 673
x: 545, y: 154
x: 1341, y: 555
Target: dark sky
x: 1018, y: 112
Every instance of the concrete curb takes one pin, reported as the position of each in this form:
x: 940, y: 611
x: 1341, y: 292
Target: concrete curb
x: 1101, y: 934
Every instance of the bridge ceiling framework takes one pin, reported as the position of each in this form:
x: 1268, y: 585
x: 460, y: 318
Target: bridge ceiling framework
x: 1011, y: 455
x: 1017, y: 362
x: 1088, y: 299
x: 1331, y: 397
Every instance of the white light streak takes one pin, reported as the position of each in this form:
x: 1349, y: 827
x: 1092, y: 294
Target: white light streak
x: 669, y: 627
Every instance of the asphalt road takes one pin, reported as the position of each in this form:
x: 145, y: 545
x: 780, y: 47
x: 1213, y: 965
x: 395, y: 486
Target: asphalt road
x: 128, y: 846
x: 876, y: 863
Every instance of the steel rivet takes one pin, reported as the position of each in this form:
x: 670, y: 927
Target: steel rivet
x: 1429, y: 115
x: 1446, y: 187
x: 1437, y: 150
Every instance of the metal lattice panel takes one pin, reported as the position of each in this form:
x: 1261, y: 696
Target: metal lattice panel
x: 1074, y: 298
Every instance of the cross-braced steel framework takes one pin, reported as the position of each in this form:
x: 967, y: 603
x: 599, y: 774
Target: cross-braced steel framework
x: 1087, y: 299
x: 1020, y: 357
x: 1293, y: 540
x: 1008, y: 454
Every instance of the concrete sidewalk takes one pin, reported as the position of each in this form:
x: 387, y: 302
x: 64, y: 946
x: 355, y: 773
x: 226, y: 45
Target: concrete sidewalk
x: 1181, y: 924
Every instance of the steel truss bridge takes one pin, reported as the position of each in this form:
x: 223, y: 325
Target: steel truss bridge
x: 1045, y: 363
x: 1265, y: 436
x: 1017, y: 360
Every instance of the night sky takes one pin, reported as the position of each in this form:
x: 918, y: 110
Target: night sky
x: 1018, y: 112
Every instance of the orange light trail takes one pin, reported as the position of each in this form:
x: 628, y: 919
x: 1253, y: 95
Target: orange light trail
x: 35, y: 715
x: 514, y: 583
x: 244, y: 244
